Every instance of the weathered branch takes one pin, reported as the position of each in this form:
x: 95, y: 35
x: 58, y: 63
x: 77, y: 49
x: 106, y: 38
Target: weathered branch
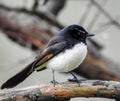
x: 41, y: 14
x: 64, y: 91
x: 28, y: 35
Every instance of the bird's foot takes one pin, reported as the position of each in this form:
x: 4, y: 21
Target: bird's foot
x: 76, y: 80
x: 54, y: 82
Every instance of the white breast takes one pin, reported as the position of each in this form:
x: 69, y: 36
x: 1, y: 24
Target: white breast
x: 69, y: 60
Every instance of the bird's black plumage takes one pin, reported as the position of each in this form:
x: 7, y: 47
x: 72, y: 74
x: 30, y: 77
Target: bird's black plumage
x: 65, y: 39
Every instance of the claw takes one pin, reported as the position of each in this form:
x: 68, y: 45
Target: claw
x: 54, y: 82
x: 75, y: 79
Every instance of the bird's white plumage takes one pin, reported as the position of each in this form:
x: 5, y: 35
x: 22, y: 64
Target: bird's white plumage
x: 69, y: 60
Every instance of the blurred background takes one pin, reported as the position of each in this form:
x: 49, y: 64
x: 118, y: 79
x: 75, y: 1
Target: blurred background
x: 27, y: 25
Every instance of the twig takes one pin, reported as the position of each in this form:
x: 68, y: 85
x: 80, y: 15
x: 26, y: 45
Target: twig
x: 54, y: 6
x: 86, y: 13
x: 35, y: 5
x: 102, y: 9
x: 64, y: 91
x: 95, y: 17
x: 45, y: 1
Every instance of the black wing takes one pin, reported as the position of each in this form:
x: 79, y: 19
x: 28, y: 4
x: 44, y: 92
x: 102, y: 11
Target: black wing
x: 54, y: 47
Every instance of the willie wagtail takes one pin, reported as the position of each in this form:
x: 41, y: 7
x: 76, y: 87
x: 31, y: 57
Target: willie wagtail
x: 64, y: 52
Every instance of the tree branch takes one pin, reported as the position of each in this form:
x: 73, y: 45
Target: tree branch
x: 64, y: 91
x: 41, y: 14
x: 45, y: 16
x: 116, y: 23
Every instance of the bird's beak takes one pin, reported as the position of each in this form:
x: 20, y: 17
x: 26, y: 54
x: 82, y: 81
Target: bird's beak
x: 89, y: 35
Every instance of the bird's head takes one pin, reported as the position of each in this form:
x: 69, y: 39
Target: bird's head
x: 78, y: 32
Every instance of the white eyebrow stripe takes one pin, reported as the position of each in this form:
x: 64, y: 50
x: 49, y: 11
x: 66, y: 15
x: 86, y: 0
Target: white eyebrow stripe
x: 81, y: 31
x: 76, y: 28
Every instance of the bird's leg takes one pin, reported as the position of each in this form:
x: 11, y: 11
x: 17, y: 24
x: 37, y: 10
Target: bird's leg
x: 54, y: 82
x: 75, y: 79
x: 53, y: 77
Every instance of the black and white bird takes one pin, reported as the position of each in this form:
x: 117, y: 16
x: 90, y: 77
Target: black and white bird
x: 64, y: 52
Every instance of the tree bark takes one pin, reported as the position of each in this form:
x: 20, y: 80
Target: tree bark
x: 64, y: 91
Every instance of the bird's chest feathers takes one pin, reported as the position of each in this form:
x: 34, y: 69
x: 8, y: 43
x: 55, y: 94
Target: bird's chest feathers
x: 68, y: 60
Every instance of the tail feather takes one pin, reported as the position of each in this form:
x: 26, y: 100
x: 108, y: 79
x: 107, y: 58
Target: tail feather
x: 18, y: 78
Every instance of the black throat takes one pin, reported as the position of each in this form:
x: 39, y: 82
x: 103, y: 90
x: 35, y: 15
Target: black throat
x: 72, y: 42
